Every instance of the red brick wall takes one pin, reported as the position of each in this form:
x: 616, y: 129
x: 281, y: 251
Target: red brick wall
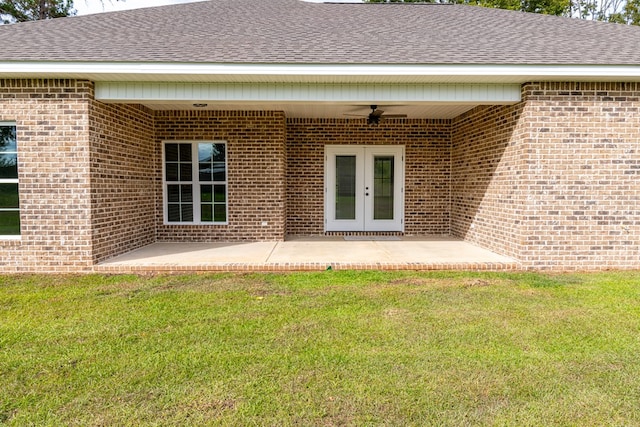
x: 123, y: 179
x: 256, y: 161
x: 427, y: 169
x: 487, y: 172
x: 54, y: 180
x: 583, y: 165
x: 552, y: 181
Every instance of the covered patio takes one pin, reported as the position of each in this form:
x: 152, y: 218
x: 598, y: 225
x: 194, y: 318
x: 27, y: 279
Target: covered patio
x: 312, y: 254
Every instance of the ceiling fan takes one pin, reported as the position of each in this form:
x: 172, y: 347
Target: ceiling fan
x: 374, y: 117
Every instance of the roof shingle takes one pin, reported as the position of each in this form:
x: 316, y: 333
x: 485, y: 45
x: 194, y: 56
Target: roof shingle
x: 295, y: 32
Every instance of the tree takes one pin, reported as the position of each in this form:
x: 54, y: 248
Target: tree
x: 619, y: 11
x: 33, y: 10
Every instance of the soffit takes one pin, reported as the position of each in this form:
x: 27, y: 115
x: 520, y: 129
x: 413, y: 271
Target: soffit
x: 312, y: 100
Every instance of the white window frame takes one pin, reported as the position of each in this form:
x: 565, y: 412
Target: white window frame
x: 11, y: 181
x: 195, y: 183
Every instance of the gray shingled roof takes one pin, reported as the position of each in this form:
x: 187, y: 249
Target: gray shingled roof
x: 292, y: 31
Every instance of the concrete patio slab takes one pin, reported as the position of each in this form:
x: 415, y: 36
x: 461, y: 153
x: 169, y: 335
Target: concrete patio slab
x: 313, y: 253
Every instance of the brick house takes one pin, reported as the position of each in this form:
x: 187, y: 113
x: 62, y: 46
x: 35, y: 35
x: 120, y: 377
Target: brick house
x: 237, y: 120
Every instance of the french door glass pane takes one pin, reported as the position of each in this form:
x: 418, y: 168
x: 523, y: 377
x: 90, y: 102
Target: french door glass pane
x: 383, y: 187
x: 9, y: 223
x: 345, y: 187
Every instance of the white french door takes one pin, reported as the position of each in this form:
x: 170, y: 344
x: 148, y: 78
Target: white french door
x: 364, y: 188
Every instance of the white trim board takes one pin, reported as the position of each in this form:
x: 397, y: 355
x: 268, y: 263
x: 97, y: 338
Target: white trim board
x: 317, y: 73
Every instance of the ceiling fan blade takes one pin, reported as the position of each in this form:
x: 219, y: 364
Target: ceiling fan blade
x: 394, y: 116
x: 355, y: 115
x: 377, y: 113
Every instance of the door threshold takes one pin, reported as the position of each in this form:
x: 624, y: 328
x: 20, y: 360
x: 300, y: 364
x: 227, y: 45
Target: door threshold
x: 372, y: 238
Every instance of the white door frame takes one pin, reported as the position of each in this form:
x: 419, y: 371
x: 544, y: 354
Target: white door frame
x: 364, y: 188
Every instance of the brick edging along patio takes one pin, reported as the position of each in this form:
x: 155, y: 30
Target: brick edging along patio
x: 291, y: 267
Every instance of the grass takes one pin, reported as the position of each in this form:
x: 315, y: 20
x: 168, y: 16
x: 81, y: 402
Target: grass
x: 332, y: 348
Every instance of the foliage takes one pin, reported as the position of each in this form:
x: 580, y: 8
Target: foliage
x: 33, y: 10
x: 12, y: 11
x: 330, y: 348
x: 618, y: 11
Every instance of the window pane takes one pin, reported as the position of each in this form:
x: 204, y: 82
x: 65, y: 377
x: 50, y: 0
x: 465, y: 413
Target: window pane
x: 345, y: 187
x: 171, y: 152
x: 185, y: 172
x: 173, y: 212
x: 211, y: 167
x: 205, y: 193
x: 8, y: 138
x: 205, y: 172
x: 186, y: 195
x: 219, y: 152
x: 185, y: 152
x: 9, y: 196
x: 219, y: 213
x: 219, y: 172
x: 220, y: 194
x: 205, y: 153
x: 173, y: 193
x: 171, y: 172
x: 9, y: 223
x: 206, y: 213
x: 187, y: 212
x: 383, y: 187
x: 8, y: 166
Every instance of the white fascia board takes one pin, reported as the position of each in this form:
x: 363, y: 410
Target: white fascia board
x: 458, y: 93
x: 101, y: 71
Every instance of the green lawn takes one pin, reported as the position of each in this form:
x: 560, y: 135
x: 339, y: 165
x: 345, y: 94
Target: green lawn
x: 331, y: 348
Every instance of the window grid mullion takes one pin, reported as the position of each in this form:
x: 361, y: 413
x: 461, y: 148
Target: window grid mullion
x: 195, y: 187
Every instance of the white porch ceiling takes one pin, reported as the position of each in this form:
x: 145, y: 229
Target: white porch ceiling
x: 304, y: 100
x: 328, y: 111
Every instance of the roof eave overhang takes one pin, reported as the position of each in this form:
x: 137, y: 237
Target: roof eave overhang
x: 316, y: 73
